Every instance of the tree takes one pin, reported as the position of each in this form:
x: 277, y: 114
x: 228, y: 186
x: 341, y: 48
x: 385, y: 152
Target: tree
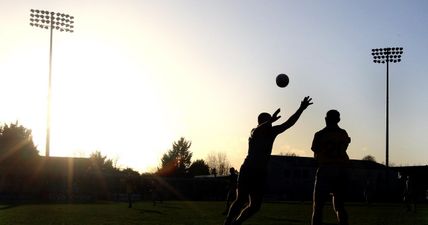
x: 177, y: 160
x: 369, y: 158
x: 17, y: 148
x: 199, y: 167
x: 130, y: 172
x: 289, y: 154
x: 101, y: 163
x: 219, y: 162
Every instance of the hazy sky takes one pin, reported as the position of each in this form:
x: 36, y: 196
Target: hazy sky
x: 135, y: 76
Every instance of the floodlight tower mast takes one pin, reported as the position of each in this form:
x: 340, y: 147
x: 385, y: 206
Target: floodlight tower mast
x: 387, y: 55
x: 50, y: 20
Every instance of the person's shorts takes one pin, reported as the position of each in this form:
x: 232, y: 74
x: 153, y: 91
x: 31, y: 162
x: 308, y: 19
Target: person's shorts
x: 251, y: 178
x: 331, y: 180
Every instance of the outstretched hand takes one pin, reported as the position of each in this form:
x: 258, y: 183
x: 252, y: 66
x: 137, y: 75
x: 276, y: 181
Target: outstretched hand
x: 307, y: 101
x: 275, y: 116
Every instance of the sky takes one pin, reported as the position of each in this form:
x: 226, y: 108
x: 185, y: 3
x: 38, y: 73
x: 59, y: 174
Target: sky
x: 137, y: 75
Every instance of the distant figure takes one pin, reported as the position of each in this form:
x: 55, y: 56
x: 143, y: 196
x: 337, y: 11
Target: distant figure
x: 129, y: 189
x: 231, y: 194
x: 214, y: 172
x: 156, y: 192
x: 409, y: 194
x: 368, y: 191
x: 252, y: 175
x: 329, y: 147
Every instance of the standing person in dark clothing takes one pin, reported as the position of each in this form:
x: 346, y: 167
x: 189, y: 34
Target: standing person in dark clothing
x: 129, y: 189
x: 231, y: 194
x: 409, y: 194
x: 329, y: 147
x: 252, y: 175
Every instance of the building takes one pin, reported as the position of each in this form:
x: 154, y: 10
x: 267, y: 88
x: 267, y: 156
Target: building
x: 53, y: 178
x: 292, y: 178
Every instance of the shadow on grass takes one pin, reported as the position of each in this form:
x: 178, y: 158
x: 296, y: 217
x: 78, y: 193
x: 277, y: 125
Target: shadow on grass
x: 292, y: 221
x: 150, y: 211
x: 170, y: 207
x: 283, y: 220
x: 4, y: 207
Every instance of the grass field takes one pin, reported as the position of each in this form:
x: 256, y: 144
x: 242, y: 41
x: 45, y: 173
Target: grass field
x: 199, y: 213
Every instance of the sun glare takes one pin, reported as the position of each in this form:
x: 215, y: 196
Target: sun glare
x: 101, y: 100
x: 107, y: 104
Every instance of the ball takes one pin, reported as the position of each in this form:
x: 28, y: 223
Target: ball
x: 282, y: 80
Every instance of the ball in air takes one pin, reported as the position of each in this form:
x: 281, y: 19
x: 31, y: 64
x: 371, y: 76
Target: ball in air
x: 282, y: 80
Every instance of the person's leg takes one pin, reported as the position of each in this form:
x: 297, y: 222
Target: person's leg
x: 242, y: 198
x: 339, y: 209
x: 230, y: 198
x: 340, y: 187
x: 317, y: 209
x: 256, y: 199
x: 320, y: 196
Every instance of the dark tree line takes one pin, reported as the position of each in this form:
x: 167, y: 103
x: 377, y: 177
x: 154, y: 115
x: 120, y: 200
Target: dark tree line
x: 19, y: 153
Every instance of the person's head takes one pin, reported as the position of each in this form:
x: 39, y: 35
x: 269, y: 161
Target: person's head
x: 332, y: 117
x: 232, y: 170
x: 263, y: 117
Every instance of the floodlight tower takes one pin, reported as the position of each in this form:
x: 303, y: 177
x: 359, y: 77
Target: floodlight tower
x: 50, y: 20
x: 387, y: 55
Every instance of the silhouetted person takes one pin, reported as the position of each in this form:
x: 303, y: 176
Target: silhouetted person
x: 368, y: 191
x: 329, y: 147
x: 233, y: 183
x: 252, y: 175
x: 409, y: 194
x: 214, y: 172
x: 156, y: 192
x: 129, y: 189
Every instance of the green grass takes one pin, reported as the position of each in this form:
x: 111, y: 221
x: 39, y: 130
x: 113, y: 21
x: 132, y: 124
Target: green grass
x: 199, y: 213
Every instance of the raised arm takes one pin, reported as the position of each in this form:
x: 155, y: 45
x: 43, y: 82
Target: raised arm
x: 307, y: 101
